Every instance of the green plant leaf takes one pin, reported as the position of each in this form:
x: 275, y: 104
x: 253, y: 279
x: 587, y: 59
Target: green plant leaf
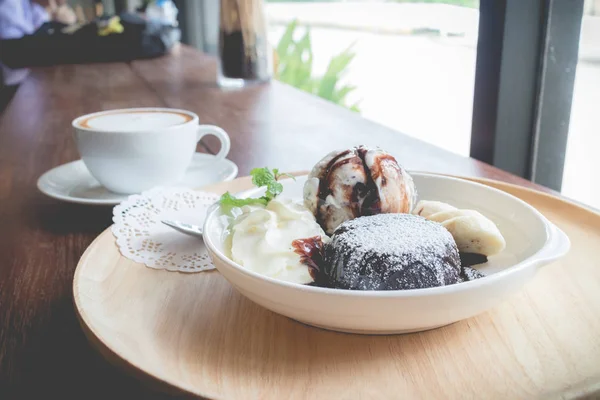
x: 287, y: 39
x: 295, y: 62
x: 305, y: 60
x: 339, y: 63
x: 334, y: 73
x: 339, y: 95
x: 297, y: 68
x: 354, y: 107
x: 327, y: 87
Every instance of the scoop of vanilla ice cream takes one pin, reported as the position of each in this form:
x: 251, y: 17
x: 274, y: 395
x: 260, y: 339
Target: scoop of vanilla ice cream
x: 355, y: 182
x: 261, y: 239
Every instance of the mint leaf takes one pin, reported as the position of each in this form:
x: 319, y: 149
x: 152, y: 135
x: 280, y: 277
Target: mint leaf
x: 274, y: 188
x: 265, y: 177
x: 228, y: 200
x: 260, y: 177
x: 285, y: 175
x: 278, y: 176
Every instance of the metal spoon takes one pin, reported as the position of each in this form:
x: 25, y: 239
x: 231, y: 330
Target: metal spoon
x: 185, y: 228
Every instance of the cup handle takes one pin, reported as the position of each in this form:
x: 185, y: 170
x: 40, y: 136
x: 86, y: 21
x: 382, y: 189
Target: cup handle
x: 223, y: 137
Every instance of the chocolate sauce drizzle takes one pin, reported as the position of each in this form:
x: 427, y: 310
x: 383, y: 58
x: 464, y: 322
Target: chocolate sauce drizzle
x: 364, y: 198
x: 325, y: 181
x: 311, y: 251
x: 371, y: 203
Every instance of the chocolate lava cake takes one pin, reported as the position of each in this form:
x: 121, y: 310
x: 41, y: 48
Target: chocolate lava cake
x: 391, y: 252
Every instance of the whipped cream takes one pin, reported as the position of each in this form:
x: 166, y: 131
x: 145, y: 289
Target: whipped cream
x: 261, y: 239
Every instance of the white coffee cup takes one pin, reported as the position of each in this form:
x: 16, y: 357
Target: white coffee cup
x: 132, y: 150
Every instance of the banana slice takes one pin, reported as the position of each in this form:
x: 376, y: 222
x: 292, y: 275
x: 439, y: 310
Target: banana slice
x: 425, y: 208
x: 472, y: 231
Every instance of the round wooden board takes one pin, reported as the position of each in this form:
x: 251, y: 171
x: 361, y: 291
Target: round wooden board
x: 195, y: 333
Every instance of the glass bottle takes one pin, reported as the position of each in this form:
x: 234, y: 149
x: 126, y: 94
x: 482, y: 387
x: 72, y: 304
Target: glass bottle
x: 244, y: 54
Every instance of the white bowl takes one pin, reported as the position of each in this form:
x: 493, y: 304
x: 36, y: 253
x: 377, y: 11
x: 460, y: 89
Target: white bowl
x: 531, y: 242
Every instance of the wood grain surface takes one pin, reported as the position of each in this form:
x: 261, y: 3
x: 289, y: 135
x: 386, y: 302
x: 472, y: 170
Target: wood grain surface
x: 196, y: 332
x: 42, y: 348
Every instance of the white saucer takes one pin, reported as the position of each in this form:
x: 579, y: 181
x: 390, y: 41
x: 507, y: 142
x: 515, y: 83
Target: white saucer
x: 73, y: 182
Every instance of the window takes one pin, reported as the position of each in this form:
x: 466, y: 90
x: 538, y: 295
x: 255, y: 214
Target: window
x: 409, y: 65
x: 580, y: 181
x: 491, y: 79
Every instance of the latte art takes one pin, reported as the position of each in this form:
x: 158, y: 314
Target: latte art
x: 135, y: 120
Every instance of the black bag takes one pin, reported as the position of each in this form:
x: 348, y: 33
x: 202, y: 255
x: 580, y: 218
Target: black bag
x: 50, y: 46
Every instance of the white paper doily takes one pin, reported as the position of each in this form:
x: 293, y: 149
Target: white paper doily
x: 143, y: 238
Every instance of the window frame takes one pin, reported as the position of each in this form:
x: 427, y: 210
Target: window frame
x: 527, y: 56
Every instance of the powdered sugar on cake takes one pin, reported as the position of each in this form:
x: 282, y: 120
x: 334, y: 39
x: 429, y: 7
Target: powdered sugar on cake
x: 391, y: 252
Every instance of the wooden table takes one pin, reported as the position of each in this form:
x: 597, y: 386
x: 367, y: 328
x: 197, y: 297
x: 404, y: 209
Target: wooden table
x: 42, y: 348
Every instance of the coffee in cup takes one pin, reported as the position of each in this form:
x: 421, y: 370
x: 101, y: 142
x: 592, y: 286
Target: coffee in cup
x: 132, y: 150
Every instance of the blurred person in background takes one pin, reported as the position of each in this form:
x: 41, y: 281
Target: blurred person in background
x: 23, y: 17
